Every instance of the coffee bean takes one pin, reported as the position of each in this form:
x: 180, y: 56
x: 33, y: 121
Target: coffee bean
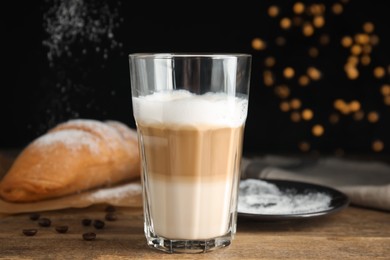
x: 89, y: 236
x: 110, y: 208
x: 111, y: 216
x: 62, y: 229
x: 86, y: 222
x: 98, y: 224
x: 30, y: 232
x: 44, y: 222
x: 34, y: 216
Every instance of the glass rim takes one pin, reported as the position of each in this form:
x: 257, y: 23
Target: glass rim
x: 170, y: 55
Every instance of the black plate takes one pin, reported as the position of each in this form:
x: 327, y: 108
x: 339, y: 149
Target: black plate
x: 338, y: 202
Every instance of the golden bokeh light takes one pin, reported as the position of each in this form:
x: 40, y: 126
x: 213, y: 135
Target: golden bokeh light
x: 352, y: 72
x: 285, y: 23
x: 282, y: 91
x: 346, y: 41
x: 358, y: 115
x: 307, y: 114
x: 318, y: 130
x: 337, y: 8
x: 269, y: 61
x: 303, y: 80
x: 377, y: 146
x: 368, y: 27
x: 345, y: 110
x: 314, y: 73
x: 258, y: 44
x: 386, y: 100
x: 288, y: 72
x: 362, y: 38
x: 298, y: 8
x: 310, y: 20
x: 268, y: 78
x: 366, y: 49
x: 284, y: 106
x: 334, y: 118
x: 316, y: 9
x: 352, y: 61
x: 374, y: 39
x: 354, y: 105
x: 385, y: 90
x: 308, y: 29
x: 372, y: 117
x: 365, y: 60
x: 318, y: 21
x: 295, y: 103
x: 273, y: 11
x: 295, y: 116
x: 361, y: 46
x: 356, y: 49
x: 304, y: 146
x: 379, y: 72
x: 339, y: 104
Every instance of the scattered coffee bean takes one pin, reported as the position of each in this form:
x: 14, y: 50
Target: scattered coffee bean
x: 62, y: 229
x: 44, y: 222
x: 30, y: 232
x: 34, y: 216
x: 89, y: 236
x: 110, y: 208
x: 86, y: 222
x: 111, y: 216
x: 98, y: 224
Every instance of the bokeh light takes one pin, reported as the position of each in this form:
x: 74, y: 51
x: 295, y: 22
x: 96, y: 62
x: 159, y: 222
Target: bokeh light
x: 310, y: 23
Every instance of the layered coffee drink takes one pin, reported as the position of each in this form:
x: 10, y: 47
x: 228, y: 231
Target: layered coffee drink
x: 191, y: 148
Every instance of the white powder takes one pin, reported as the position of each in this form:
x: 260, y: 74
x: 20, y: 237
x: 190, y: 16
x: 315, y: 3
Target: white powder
x: 69, y: 22
x: 71, y: 138
x: 116, y: 193
x: 261, y: 197
x: 79, y: 37
x: 77, y: 133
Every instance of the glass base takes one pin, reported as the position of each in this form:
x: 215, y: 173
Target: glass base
x: 188, y: 246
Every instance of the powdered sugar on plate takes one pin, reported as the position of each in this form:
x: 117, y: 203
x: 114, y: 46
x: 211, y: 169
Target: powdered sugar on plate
x: 262, y: 197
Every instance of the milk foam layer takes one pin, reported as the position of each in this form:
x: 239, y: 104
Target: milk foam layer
x: 180, y: 107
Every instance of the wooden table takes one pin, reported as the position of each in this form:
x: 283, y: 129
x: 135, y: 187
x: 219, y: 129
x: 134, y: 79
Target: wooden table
x: 352, y: 233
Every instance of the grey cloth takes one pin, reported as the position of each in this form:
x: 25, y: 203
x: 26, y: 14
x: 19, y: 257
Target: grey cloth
x: 366, y: 183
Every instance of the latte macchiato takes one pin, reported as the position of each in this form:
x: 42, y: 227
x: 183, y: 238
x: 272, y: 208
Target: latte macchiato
x: 191, y: 149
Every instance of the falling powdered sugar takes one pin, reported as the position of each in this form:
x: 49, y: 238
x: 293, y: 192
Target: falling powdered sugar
x: 261, y: 197
x: 71, y: 22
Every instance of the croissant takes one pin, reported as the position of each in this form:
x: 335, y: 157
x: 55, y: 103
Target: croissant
x: 74, y: 156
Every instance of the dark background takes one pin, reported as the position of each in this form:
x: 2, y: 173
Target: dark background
x: 89, y: 78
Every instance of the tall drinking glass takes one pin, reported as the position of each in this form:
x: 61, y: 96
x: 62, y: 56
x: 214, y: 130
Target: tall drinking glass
x: 190, y: 111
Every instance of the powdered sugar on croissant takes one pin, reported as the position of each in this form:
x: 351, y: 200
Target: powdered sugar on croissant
x: 74, y: 156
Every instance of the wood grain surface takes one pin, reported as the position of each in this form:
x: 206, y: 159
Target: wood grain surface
x: 353, y: 233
